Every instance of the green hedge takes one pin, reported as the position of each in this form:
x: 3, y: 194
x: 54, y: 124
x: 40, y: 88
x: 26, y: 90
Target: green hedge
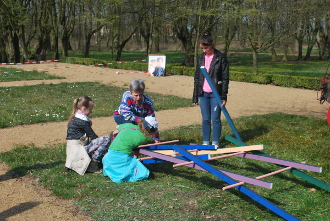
x: 176, y: 69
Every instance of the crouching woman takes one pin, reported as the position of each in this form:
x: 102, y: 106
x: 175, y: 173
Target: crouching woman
x: 119, y: 164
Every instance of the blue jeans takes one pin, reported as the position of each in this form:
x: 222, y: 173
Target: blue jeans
x: 211, y: 112
x: 119, y: 119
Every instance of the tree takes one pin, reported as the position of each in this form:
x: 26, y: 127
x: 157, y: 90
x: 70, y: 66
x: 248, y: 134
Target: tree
x: 324, y: 31
x: 260, y: 25
x: 189, y: 18
x: 128, y: 17
x: 231, y: 19
x: 67, y: 20
x: 14, y: 15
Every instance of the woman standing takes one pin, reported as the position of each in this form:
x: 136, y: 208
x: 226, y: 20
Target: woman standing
x: 216, y: 65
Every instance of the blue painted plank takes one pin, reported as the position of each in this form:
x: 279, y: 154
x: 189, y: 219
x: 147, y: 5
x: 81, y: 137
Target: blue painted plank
x: 223, y: 109
x: 156, y: 160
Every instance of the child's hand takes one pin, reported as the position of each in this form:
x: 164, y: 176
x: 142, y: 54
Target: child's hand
x: 115, y: 133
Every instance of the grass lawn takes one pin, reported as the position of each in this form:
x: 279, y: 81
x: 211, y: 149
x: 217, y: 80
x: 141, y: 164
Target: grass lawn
x: 187, y: 194
x: 14, y: 74
x: 53, y: 102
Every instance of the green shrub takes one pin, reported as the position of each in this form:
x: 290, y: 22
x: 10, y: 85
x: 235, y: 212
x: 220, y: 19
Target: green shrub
x: 242, y: 75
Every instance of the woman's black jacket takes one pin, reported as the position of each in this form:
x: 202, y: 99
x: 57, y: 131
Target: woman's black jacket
x: 219, y: 74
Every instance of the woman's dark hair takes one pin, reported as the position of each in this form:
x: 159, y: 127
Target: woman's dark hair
x: 206, y: 39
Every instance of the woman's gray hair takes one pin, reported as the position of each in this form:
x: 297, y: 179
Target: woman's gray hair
x: 137, y: 85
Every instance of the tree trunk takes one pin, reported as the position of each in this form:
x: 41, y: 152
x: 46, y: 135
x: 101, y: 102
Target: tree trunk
x: 300, y: 45
x: 16, y: 48
x: 255, y: 61
x: 274, y: 55
x: 3, y: 56
x: 66, y: 44
x: 87, y: 45
x: 285, y: 51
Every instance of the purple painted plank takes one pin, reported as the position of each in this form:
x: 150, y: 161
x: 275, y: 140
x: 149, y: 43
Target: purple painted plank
x: 234, y: 176
x: 282, y: 162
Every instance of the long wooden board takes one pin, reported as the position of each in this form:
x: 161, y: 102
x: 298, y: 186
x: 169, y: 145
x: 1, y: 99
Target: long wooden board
x: 217, y: 151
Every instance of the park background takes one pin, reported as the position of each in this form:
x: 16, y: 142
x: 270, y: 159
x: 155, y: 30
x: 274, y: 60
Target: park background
x: 173, y: 27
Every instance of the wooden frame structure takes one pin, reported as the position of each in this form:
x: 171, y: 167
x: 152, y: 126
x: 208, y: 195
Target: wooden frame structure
x: 187, y: 158
x: 195, y: 156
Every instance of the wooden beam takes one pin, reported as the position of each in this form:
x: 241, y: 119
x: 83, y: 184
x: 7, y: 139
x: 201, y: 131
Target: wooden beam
x: 217, y: 151
x: 259, y: 177
x: 155, y: 144
x: 294, y: 171
x: 235, y: 176
x: 213, y: 158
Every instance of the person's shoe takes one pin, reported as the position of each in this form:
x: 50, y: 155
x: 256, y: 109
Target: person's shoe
x: 99, y: 171
x: 93, y: 166
x: 216, y: 145
x: 68, y: 170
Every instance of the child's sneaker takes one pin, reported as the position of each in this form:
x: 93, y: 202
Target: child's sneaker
x: 68, y: 169
x: 93, y: 166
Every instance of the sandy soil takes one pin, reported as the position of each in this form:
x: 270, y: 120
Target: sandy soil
x: 23, y: 199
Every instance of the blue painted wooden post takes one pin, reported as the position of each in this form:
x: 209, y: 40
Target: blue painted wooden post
x: 223, y: 109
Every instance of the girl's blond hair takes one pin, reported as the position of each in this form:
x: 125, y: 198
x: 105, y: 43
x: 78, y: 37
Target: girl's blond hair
x: 142, y: 129
x: 78, y: 103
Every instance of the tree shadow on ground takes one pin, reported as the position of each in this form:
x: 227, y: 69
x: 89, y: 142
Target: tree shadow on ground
x: 24, y: 170
x: 22, y: 207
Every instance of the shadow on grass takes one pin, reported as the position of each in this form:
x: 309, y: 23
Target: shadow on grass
x: 24, y: 170
x: 18, y: 209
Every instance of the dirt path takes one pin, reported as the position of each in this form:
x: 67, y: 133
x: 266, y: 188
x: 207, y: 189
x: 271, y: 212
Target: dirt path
x: 19, y: 199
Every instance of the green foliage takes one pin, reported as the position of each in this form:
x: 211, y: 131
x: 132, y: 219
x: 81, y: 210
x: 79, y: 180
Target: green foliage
x: 184, y: 193
x: 53, y: 102
x: 290, y: 74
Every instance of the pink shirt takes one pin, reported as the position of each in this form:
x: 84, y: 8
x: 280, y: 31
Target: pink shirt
x: 208, y: 60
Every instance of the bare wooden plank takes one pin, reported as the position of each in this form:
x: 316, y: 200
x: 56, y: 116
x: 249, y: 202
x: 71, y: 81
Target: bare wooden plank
x: 213, y: 158
x: 217, y: 151
x: 155, y: 144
